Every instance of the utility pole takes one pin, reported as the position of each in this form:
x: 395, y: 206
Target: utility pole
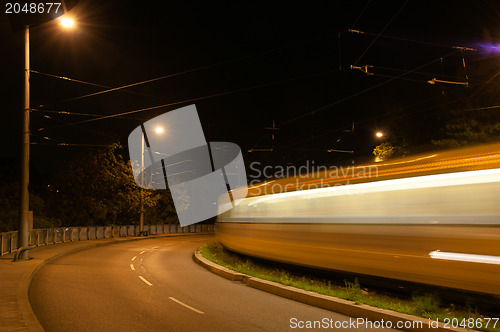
x: 273, y: 131
x: 25, y: 152
x: 141, y: 218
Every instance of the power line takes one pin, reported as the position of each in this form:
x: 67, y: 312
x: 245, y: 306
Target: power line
x: 399, y: 78
x: 37, y: 110
x: 79, y: 81
x: 365, y: 90
x: 77, y: 126
x: 69, y: 79
x: 196, y: 99
x: 70, y: 144
x: 432, y: 74
x: 196, y: 69
x: 381, y: 32
x: 361, y: 13
x: 62, y: 143
x: 411, y: 40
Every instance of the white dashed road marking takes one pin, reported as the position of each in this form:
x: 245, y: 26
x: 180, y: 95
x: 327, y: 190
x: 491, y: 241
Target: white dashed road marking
x: 145, y: 281
x: 185, y: 305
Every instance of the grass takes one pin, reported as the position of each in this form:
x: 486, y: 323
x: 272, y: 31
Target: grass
x: 422, y: 305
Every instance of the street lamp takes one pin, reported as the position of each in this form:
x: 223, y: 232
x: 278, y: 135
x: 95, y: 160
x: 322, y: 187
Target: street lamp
x: 67, y: 22
x: 159, y: 130
x: 379, y: 134
x: 25, y: 147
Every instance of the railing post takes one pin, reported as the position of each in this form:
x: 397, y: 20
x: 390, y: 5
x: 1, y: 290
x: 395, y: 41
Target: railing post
x: 11, y: 241
x: 1, y: 244
x: 63, y: 236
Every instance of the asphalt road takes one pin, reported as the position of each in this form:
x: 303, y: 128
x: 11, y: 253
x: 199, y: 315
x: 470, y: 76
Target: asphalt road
x: 154, y: 285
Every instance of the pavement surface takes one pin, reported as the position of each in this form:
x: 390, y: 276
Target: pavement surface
x: 16, y: 313
x: 154, y: 285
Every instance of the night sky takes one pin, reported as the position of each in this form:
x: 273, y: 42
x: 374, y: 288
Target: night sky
x: 245, y: 64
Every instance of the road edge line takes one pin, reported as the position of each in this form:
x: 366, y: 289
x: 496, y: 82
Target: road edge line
x: 331, y: 303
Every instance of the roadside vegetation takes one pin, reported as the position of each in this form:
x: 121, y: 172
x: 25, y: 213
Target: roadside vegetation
x: 94, y: 188
x: 422, y: 305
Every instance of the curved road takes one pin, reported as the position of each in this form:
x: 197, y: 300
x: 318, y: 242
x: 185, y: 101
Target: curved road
x: 153, y: 285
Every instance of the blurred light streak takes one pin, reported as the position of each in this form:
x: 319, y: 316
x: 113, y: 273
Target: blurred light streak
x: 453, y: 256
x: 427, y: 181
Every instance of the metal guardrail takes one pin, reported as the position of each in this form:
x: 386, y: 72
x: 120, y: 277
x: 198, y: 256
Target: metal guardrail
x: 38, y: 237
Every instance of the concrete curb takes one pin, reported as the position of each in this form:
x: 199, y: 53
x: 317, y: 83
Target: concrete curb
x: 331, y: 303
x: 23, y: 287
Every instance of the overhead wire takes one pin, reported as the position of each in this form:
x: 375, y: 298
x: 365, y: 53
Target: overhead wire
x: 71, y: 144
x: 195, y: 69
x: 43, y: 110
x: 364, y: 90
x: 76, y: 126
x: 361, y: 13
x: 59, y: 142
x: 381, y: 32
x: 69, y: 79
x: 198, y: 98
x: 80, y: 81
x: 411, y: 40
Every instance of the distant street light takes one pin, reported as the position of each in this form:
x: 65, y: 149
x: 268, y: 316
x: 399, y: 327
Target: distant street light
x: 24, y: 206
x: 379, y: 134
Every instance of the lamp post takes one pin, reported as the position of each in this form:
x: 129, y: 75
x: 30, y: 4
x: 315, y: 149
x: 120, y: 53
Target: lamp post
x: 158, y: 131
x: 141, y: 218
x: 25, y: 154
x: 24, y: 205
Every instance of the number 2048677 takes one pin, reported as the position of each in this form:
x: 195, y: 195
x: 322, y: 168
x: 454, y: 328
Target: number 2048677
x: 32, y: 7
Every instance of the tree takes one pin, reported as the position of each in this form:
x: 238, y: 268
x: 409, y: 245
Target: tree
x: 383, y: 151
x: 99, y: 189
x: 387, y: 150
x: 469, y: 130
x: 163, y: 211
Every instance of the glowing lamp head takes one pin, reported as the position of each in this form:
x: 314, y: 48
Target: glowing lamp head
x: 159, y: 130
x: 67, y: 22
x: 379, y: 134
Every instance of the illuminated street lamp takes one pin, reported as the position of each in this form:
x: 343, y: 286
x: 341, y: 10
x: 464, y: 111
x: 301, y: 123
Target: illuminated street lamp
x: 159, y: 130
x: 67, y: 22
x: 25, y: 147
x: 379, y: 134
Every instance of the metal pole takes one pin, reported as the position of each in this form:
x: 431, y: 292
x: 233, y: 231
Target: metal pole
x: 25, y: 155
x: 141, y: 220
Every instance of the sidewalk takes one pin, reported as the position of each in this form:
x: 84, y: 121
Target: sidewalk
x: 15, y: 310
